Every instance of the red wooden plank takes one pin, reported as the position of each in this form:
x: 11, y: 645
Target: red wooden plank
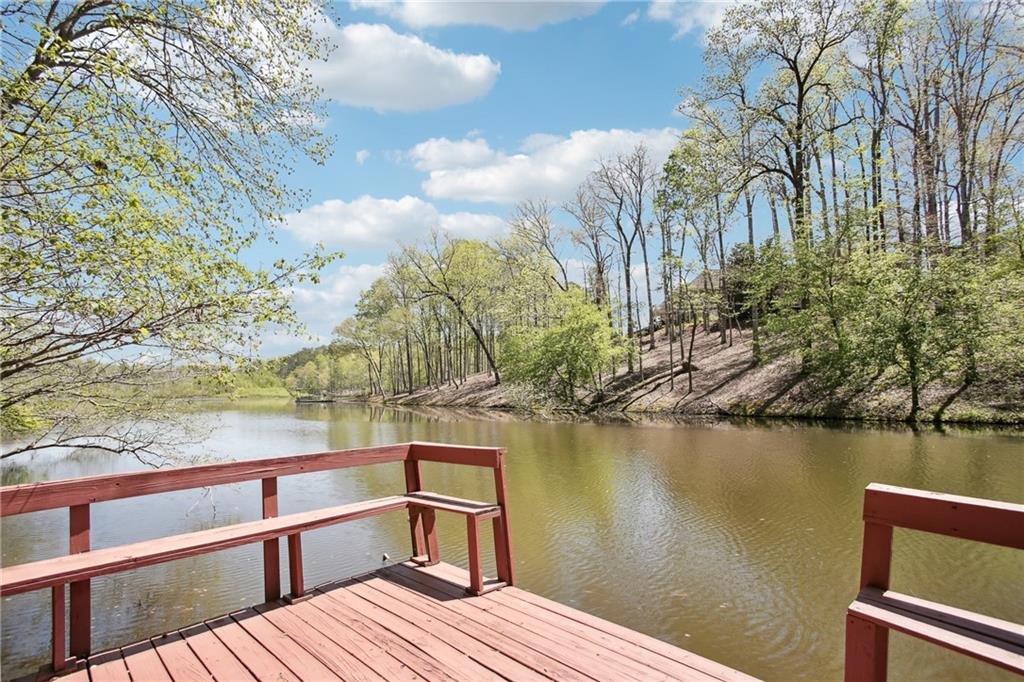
x: 647, y: 642
x: 79, y: 675
x: 1011, y: 633
x: 462, y: 633
x: 495, y: 632
x: 596, y: 659
x: 502, y: 530
x: 260, y: 662
x: 414, y: 482
x: 370, y: 653
x: 181, y: 662
x: 455, y: 454
x: 328, y: 652
x: 396, y: 647
x: 81, y: 595
x: 144, y: 663
x: 295, y: 565
x: 997, y: 523
x: 476, y: 571
x: 108, y: 667
x: 452, y: 504
x: 271, y: 552
x: 454, y: 662
x: 40, y: 574
x: 301, y: 662
x: 661, y: 664
x: 995, y: 651
x: 430, y: 530
x: 876, y: 555
x: 215, y: 656
x: 58, y: 656
x: 867, y: 647
x: 20, y: 499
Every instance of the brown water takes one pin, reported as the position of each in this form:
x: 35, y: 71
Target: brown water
x: 737, y: 541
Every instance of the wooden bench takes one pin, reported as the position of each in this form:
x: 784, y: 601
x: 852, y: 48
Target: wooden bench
x: 85, y: 563
x: 877, y: 609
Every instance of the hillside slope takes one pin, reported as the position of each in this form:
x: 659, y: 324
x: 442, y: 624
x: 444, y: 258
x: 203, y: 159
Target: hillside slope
x: 725, y: 382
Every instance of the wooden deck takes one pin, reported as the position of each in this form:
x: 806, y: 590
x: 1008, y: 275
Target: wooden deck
x: 405, y: 622
x: 416, y: 621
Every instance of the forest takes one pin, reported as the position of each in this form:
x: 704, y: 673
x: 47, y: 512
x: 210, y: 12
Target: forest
x: 848, y: 194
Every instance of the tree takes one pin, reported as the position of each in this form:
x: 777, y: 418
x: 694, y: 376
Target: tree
x: 568, y: 354
x: 145, y: 143
x: 592, y: 236
x: 801, y: 40
x: 463, y: 273
x: 532, y: 221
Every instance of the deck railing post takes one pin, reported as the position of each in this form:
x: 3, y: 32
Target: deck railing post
x: 476, y: 571
x: 867, y: 644
x: 502, y: 532
x: 421, y: 521
x: 271, y: 551
x: 81, y: 597
x: 867, y: 650
x: 57, y: 603
x: 295, y: 567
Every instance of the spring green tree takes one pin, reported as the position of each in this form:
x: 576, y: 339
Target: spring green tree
x: 144, y: 147
x: 567, y: 355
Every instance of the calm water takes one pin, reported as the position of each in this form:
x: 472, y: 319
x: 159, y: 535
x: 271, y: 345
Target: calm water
x: 739, y: 542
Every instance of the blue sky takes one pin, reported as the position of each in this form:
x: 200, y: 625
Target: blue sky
x: 446, y: 114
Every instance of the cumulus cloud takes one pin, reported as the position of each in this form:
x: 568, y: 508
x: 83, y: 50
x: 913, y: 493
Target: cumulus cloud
x: 373, y: 66
x: 688, y: 16
x: 339, y: 289
x: 509, y: 16
x: 362, y: 155
x: 373, y: 222
x: 544, y: 166
x: 440, y: 152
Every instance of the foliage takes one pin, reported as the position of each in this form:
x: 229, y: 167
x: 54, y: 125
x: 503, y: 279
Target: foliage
x: 566, y: 355
x: 144, y: 147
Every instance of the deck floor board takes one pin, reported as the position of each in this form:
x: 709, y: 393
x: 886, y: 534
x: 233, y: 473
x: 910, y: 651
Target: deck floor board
x: 410, y: 624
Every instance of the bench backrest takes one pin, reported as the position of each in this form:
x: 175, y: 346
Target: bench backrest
x: 887, y: 507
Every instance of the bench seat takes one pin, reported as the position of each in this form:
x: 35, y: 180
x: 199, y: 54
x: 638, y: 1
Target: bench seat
x: 481, y: 510
x: 988, y: 639
x: 75, y: 567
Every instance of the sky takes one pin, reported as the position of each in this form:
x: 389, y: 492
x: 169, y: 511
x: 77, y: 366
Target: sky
x: 447, y: 114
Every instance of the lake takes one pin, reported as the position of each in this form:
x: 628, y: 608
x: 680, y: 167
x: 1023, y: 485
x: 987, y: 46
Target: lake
x: 738, y: 541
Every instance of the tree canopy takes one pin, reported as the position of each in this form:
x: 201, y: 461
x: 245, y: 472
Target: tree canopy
x: 146, y: 147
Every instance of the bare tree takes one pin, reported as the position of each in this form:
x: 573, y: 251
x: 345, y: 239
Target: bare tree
x: 591, y: 234
x: 532, y: 221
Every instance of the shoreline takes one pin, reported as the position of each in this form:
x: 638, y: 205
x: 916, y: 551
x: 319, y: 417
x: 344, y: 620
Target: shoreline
x: 727, y: 384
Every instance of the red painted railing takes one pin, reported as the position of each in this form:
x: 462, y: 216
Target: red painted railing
x: 79, y: 494
x: 877, y: 609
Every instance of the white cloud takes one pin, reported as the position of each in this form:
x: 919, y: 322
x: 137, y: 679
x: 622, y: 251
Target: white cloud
x: 362, y: 155
x: 510, y: 16
x: 338, y: 290
x: 372, y: 66
x: 475, y: 225
x: 631, y: 18
x: 440, y: 152
x: 545, y: 166
x: 373, y: 222
x: 687, y: 15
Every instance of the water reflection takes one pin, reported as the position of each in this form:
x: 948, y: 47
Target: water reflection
x: 738, y: 540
